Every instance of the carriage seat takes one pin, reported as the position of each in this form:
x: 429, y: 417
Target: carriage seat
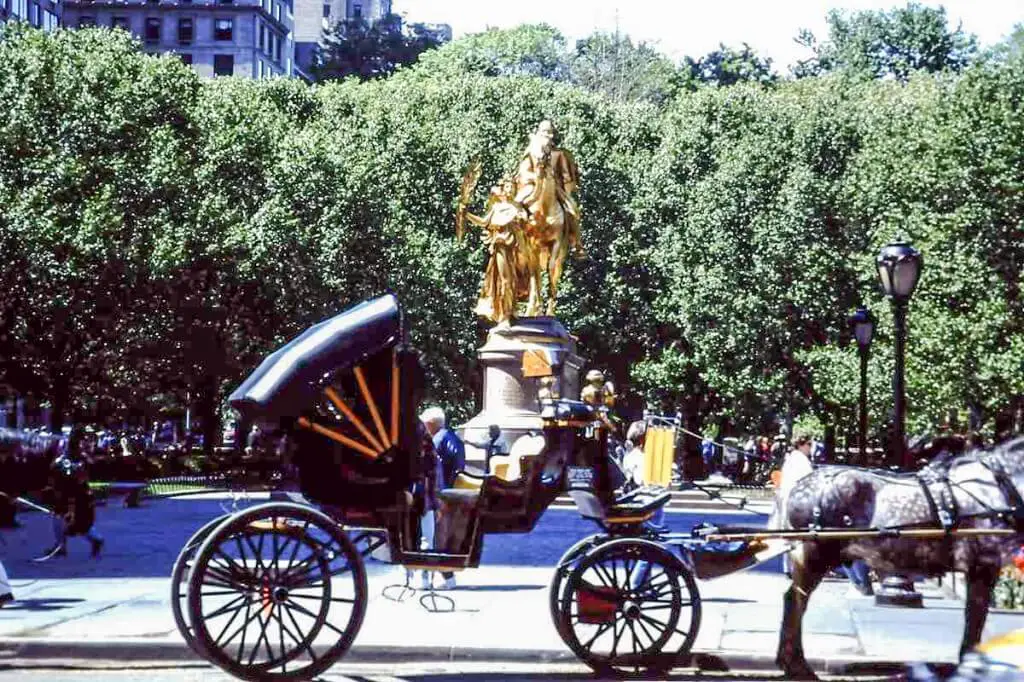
x: 510, y: 467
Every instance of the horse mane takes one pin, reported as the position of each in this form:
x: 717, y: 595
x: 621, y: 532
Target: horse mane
x: 1008, y: 456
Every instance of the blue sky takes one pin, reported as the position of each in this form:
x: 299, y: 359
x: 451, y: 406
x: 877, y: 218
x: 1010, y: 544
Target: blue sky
x: 692, y: 27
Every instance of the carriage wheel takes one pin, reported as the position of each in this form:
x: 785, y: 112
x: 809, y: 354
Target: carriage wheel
x: 277, y: 592
x: 563, y: 568
x: 630, y: 608
x: 179, y: 581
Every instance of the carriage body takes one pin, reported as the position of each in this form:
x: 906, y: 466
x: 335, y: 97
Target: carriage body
x: 345, y: 393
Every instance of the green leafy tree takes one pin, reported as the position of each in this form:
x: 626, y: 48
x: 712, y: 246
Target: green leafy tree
x: 611, y: 64
x: 892, y: 43
x: 94, y: 160
x: 526, y: 50
x: 357, y: 48
x: 729, y: 66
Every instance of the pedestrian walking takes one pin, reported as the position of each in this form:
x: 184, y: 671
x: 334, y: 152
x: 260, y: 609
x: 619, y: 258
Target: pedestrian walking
x: 452, y: 455
x: 74, y: 507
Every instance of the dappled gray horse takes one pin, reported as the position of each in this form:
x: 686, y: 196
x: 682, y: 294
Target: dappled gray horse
x: 978, y: 489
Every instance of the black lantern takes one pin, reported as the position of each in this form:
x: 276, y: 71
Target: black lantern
x: 899, y: 268
x: 863, y: 330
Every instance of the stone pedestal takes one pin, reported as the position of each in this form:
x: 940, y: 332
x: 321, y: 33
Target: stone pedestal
x: 510, y: 396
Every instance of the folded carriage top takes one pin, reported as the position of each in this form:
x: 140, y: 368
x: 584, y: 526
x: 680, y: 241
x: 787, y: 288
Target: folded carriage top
x: 288, y: 380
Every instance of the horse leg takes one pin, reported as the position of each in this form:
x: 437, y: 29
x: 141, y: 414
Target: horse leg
x: 810, y: 564
x: 980, y: 581
x: 559, y: 252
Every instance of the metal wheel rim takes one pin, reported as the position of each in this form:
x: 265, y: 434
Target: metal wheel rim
x: 652, y: 630
x: 568, y: 561
x: 179, y: 579
x: 325, y: 545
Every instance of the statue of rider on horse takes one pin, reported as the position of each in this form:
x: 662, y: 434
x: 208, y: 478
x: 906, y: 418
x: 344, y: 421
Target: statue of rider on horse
x: 544, y: 185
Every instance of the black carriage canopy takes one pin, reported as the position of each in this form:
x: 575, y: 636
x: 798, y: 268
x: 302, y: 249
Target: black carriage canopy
x: 286, y: 381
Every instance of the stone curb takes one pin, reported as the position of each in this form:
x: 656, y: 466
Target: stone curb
x: 129, y: 651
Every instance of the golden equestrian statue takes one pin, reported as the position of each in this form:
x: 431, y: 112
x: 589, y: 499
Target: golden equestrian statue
x: 531, y: 221
x: 546, y: 182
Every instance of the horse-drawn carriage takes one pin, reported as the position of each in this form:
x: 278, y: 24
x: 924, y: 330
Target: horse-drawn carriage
x: 279, y: 591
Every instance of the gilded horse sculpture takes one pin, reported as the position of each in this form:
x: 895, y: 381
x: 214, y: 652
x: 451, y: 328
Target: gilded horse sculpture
x: 547, y: 179
x: 532, y: 221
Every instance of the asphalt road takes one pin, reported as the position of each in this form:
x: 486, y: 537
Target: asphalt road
x: 144, y: 542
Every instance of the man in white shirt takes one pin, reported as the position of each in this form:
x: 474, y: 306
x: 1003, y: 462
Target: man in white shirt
x: 796, y: 466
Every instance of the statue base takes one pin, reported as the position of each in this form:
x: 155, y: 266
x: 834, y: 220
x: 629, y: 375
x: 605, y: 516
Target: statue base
x: 510, y: 391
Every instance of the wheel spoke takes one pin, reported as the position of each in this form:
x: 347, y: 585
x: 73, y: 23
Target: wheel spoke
x: 616, y: 636
x: 245, y: 626
x: 601, y: 629
x: 343, y: 600
x: 227, y: 625
x: 308, y: 644
x: 647, y: 632
x: 301, y: 609
x: 226, y: 607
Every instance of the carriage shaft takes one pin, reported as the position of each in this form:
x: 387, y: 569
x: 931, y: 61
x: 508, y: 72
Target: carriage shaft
x: 857, y: 533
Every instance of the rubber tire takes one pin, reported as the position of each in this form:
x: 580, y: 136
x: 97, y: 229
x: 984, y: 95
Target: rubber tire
x: 562, y: 570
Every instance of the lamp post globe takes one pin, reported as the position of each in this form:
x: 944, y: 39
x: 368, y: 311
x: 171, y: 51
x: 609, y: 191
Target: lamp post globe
x: 863, y: 324
x: 899, y: 268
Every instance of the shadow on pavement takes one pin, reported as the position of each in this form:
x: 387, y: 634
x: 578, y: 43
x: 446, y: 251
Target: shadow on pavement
x: 41, y: 604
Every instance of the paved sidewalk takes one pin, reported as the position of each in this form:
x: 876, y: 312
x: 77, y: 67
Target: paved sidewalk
x: 501, y: 614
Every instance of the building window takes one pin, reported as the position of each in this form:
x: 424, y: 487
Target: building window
x: 225, y: 2
x: 152, y: 33
x: 277, y: 11
x: 259, y: 68
x: 185, y: 58
x: 357, y: 11
x: 277, y: 51
x: 223, y: 64
x: 121, y: 23
x: 186, y: 31
x: 222, y: 29
x: 263, y: 37
x: 84, y: 22
x: 327, y: 11
x: 49, y: 20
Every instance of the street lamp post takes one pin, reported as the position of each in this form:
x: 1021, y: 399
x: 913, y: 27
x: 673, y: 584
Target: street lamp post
x: 863, y: 329
x: 899, y: 268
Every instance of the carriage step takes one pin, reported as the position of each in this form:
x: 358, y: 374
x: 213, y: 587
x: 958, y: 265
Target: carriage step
x: 434, y: 560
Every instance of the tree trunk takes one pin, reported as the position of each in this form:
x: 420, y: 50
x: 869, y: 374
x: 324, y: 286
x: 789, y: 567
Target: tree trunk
x: 59, y: 400
x: 208, y: 414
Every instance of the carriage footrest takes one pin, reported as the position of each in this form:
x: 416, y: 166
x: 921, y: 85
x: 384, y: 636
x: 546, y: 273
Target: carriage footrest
x: 638, y: 507
x: 435, y: 561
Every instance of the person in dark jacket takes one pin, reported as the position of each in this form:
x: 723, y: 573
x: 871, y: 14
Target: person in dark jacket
x: 74, y: 507
x: 452, y: 455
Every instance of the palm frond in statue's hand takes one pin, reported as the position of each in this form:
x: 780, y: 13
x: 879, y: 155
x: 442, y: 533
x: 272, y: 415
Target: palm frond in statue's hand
x: 469, y: 181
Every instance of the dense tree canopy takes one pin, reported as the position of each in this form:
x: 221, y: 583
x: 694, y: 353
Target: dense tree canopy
x: 894, y: 43
x: 355, y: 47
x: 161, y: 233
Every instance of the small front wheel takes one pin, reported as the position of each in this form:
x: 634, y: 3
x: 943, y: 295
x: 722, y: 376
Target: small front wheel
x: 565, y: 565
x: 630, y: 608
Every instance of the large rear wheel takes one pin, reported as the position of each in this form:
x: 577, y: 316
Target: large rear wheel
x: 179, y: 582
x: 630, y: 608
x: 277, y: 592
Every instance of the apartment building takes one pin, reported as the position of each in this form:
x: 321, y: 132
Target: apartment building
x: 248, y: 38
x: 313, y: 17
x: 44, y: 14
